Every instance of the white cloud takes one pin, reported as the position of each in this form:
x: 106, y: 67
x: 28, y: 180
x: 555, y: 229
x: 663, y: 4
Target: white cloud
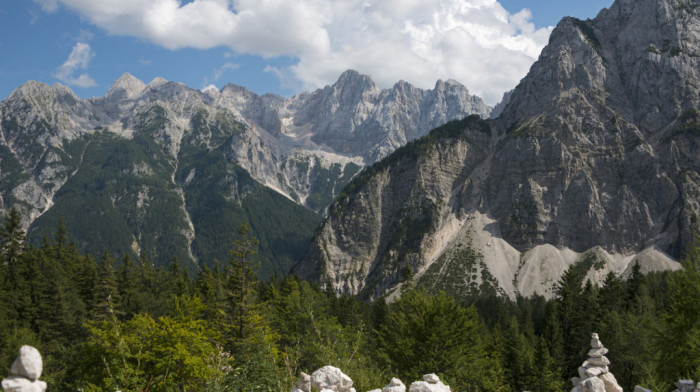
x: 219, y: 72
x: 474, y: 41
x: 209, y: 87
x: 78, y: 59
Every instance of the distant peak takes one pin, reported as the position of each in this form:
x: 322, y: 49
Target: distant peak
x: 127, y: 85
x: 354, y: 79
x: 157, y: 82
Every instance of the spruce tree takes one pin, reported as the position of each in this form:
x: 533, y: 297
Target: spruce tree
x: 569, y: 298
x: 12, y: 237
x: 106, y: 296
x: 241, y: 279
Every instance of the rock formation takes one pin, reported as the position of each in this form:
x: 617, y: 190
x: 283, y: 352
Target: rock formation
x: 394, y: 386
x: 329, y: 378
x: 25, y: 370
x: 594, y: 160
x: 431, y: 383
x: 186, y: 151
x: 594, y: 374
x: 687, y: 386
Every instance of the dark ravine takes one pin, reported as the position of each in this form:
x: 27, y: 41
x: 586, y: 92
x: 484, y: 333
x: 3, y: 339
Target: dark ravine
x: 172, y: 172
x: 595, y: 159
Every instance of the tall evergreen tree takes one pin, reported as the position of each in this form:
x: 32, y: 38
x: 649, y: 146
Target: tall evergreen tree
x: 679, y: 342
x: 12, y: 239
x: 241, y: 280
x: 106, y: 297
x: 569, y: 298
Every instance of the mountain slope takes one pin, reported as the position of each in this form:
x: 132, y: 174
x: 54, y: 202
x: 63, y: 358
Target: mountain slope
x: 594, y: 160
x: 170, y: 171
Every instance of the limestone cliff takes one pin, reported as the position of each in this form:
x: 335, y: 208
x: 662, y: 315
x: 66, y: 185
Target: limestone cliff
x: 594, y: 160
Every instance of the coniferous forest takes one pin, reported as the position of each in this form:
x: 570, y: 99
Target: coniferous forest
x: 109, y: 322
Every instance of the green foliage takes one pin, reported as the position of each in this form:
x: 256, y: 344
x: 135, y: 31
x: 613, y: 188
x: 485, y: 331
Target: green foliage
x: 679, y: 341
x: 224, y: 196
x: 139, y: 327
x: 411, y: 345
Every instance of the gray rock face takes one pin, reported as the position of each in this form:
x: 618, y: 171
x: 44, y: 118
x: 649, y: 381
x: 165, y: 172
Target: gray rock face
x: 305, y: 148
x: 333, y: 131
x: 595, y: 159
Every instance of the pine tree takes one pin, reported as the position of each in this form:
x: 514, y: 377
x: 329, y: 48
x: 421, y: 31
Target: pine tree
x: 569, y: 299
x: 241, y: 280
x: 12, y: 238
x: 547, y: 371
x: 106, y: 296
x: 679, y: 342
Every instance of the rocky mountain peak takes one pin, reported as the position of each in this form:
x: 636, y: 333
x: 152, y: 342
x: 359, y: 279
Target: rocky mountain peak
x: 640, y: 58
x: 594, y: 162
x: 126, y: 87
x: 156, y: 82
x: 354, y: 80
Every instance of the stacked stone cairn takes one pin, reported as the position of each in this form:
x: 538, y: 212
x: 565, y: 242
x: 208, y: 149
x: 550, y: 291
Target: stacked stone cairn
x: 594, y: 375
x: 332, y: 379
x: 26, y: 371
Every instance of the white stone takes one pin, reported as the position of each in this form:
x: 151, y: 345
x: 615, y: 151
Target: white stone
x: 610, y: 382
x: 28, y: 363
x: 600, y: 361
x: 424, y: 386
x: 395, y: 386
x: 582, y: 371
x: 592, y: 384
x: 375, y: 390
x: 575, y: 389
x: 594, y: 336
x: 304, y: 383
x: 331, y: 378
x: 593, y: 372
x: 637, y: 388
x: 21, y: 384
x: 597, y: 352
x: 431, y: 378
x: 575, y: 381
x: 595, y: 343
x: 352, y: 390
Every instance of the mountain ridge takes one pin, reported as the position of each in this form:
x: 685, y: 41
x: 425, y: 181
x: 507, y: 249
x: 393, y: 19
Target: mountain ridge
x: 593, y: 160
x: 156, y: 140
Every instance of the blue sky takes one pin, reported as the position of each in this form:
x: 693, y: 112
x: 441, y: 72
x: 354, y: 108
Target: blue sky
x: 277, y: 46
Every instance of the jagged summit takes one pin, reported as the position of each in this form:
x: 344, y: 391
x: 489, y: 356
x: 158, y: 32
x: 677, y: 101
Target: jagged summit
x: 594, y: 160
x: 157, y: 82
x: 637, y: 57
x: 126, y: 87
x: 162, y: 139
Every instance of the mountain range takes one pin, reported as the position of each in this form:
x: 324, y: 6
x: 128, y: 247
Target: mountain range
x: 594, y: 162
x: 167, y: 171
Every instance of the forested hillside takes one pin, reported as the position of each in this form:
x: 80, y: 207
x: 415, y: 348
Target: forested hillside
x: 109, y: 322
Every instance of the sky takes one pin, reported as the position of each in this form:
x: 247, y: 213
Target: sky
x: 277, y: 46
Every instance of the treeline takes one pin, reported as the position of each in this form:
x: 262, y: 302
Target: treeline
x: 106, y: 325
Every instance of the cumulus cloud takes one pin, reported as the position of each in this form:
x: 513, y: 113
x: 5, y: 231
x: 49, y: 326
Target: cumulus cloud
x: 476, y: 42
x: 78, y: 59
